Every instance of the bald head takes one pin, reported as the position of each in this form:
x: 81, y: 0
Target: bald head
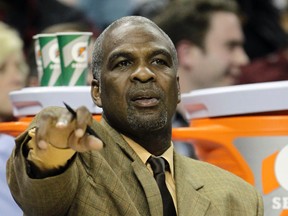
x: 123, y: 24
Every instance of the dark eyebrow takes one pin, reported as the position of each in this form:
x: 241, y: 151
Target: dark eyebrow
x: 128, y: 55
x: 161, y: 52
x: 235, y: 43
x: 119, y: 54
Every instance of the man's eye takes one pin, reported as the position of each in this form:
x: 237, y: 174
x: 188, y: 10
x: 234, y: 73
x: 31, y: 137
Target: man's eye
x: 2, y: 68
x: 123, y: 64
x: 231, y: 47
x: 159, y: 62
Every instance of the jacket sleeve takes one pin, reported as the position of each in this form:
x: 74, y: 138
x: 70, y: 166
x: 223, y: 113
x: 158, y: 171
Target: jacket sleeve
x: 39, y: 196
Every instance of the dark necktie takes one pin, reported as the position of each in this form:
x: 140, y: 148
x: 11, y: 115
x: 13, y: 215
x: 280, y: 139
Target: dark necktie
x: 158, y: 167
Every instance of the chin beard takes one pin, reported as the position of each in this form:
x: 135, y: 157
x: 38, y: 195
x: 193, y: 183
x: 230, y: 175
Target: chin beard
x: 147, y: 122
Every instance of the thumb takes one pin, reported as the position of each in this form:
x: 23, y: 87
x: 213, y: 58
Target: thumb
x: 85, y: 143
x: 93, y: 143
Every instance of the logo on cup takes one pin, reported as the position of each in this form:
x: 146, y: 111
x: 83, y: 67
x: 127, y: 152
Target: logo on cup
x: 281, y: 168
x: 277, y: 164
x: 38, y: 54
x: 54, y: 53
x: 79, y: 52
x: 274, y: 176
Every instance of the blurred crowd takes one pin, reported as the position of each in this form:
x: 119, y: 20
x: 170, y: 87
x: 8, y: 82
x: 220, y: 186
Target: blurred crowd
x: 210, y: 55
x: 264, y: 25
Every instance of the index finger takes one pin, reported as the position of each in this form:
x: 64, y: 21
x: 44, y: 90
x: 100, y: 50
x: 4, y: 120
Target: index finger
x: 84, y: 119
x: 45, y: 123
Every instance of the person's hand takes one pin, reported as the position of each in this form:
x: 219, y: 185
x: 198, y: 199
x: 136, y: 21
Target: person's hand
x: 58, y: 127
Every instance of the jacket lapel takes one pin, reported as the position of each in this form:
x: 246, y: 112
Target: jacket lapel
x: 188, y: 185
x: 145, y: 178
x: 189, y: 199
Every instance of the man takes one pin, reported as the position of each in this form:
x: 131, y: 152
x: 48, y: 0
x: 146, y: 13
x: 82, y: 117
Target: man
x: 56, y: 170
x: 209, y: 42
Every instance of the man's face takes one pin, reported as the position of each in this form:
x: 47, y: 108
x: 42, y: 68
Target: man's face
x: 11, y: 79
x: 219, y: 62
x: 139, y: 86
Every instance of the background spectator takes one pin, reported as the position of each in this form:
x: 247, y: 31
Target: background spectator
x: 209, y: 42
x: 262, y: 28
x: 266, y: 41
x: 30, y: 17
x: 13, y: 74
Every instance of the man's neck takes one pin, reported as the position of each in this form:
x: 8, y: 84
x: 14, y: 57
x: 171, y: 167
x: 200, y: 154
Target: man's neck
x: 154, y: 142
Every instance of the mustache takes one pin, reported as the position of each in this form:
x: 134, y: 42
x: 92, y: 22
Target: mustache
x: 145, y: 90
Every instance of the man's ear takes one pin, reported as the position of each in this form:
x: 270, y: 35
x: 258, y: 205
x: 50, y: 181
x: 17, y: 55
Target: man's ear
x: 185, y: 51
x: 96, y: 92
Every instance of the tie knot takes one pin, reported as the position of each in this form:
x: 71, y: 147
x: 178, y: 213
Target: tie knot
x: 158, y: 164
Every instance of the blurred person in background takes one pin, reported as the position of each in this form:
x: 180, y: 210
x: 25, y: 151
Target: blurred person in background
x: 265, y: 29
x: 209, y: 42
x: 102, y: 13
x: 150, y: 8
x: 13, y: 74
x: 262, y: 27
x: 30, y: 17
x: 13, y: 68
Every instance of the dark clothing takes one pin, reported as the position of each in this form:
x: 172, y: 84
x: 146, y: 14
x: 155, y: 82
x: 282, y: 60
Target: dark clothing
x: 273, y: 67
x: 262, y: 28
x: 183, y: 148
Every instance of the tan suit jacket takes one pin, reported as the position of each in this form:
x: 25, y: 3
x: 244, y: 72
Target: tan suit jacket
x: 114, y: 181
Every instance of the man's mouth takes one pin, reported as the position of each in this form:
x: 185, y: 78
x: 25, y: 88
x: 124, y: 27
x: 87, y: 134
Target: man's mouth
x: 145, y: 101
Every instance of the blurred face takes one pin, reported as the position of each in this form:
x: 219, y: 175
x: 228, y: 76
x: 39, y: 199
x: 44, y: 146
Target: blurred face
x: 11, y: 78
x: 139, y: 85
x: 219, y: 62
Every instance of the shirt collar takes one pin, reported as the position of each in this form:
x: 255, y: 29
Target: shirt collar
x: 144, y: 154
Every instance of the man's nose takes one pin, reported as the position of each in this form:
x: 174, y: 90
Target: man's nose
x: 240, y: 57
x: 143, y: 74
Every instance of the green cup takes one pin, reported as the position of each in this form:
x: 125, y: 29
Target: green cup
x: 50, y: 60
x: 73, y: 47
